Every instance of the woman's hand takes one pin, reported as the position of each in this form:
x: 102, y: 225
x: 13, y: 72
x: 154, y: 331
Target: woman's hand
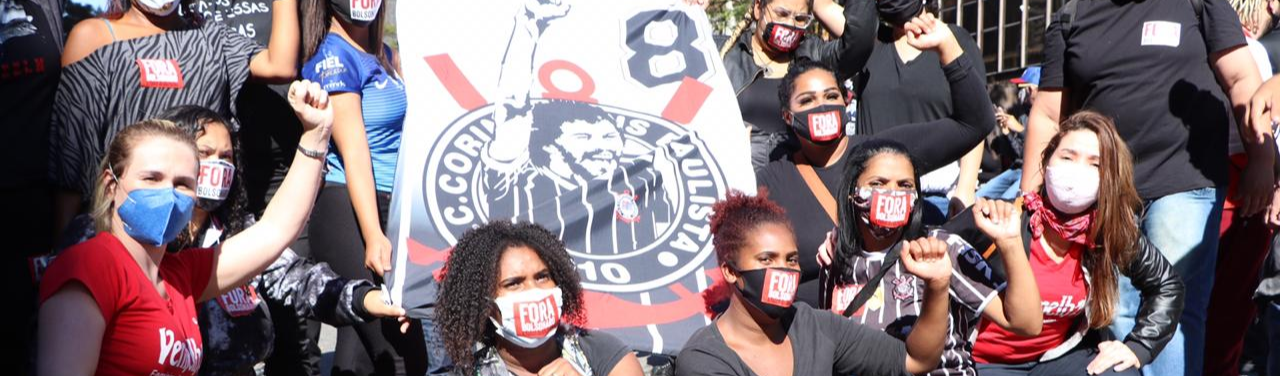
x: 827, y: 250
x: 377, y: 254
x: 927, y: 259
x: 1113, y: 355
x: 999, y: 220
x: 926, y: 32
x: 558, y: 367
x: 310, y: 103
x: 374, y: 304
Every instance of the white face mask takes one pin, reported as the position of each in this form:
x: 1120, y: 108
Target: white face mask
x: 160, y: 8
x: 1072, y: 187
x: 529, y: 318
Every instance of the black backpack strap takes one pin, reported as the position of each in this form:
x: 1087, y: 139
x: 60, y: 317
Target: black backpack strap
x: 1198, y: 5
x: 872, y: 285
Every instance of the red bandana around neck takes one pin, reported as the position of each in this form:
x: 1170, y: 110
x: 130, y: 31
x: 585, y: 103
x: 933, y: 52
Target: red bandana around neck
x: 1074, y: 230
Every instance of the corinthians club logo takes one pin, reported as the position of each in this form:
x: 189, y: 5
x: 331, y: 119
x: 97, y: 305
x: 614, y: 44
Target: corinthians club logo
x: 629, y: 193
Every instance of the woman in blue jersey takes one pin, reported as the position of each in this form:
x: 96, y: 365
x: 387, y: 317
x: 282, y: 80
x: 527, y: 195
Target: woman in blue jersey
x: 343, y: 50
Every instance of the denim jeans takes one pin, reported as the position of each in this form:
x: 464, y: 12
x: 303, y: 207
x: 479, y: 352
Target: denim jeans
x: 438, y: 362
x: 1184, y: 226
x: 1003, y: 187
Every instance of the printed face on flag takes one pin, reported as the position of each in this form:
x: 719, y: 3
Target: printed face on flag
x: 533, y: 117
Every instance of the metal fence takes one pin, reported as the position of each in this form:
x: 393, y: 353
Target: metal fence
x: 1009, y: 32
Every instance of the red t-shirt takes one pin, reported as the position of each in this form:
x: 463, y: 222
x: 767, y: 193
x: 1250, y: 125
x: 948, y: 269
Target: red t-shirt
x: 1063, y: 296
x: 145, y: 334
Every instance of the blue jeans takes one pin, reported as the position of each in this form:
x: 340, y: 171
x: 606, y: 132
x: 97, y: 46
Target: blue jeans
x: 1004, y: 186
x: 1184, y: 226
x: 438, y: 362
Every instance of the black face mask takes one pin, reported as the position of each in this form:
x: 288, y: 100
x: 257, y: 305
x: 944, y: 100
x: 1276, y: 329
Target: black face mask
x: 821, y: 125
x: 770, y: 290
x: 782, y: 37
x: 356, y: 12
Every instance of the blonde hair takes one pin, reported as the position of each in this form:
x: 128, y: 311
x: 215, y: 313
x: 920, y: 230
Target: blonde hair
x: 1250, y: 11
x: 118, y: 157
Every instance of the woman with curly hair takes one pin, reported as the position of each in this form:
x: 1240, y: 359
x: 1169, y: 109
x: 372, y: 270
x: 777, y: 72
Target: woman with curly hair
x: 510, y: 303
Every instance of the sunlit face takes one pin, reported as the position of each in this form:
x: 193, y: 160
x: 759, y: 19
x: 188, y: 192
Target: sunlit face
x: 215, y: 144
x: 1078, y: 147
x: 521, y: 269
x: 155, y: 162
x: 768, y: 246
x: 811, y: 89
x: 888, y: 171
x: 790, y: 12
x: 588, y: 149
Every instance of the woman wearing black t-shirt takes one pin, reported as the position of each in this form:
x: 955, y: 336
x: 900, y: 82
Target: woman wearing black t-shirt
x: 815, y: 110
x: 763, y: 333
x: 761, y: 49
x: 510, y: 304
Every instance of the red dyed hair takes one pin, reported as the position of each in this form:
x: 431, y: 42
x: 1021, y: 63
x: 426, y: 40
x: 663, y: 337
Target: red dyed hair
x: 732, y: 223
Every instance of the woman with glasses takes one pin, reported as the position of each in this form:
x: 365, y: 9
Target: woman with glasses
x: 758, y: 53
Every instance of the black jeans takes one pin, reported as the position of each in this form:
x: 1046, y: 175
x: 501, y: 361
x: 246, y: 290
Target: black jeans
x: 1072, y: 363
x: 368, y: 348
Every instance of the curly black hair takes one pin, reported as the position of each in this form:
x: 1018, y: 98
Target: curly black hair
x: 234, y: 214
x: 465, y: 300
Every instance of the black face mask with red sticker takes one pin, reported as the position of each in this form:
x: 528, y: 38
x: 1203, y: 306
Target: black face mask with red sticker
x: 770, y: 290
x: 783, y: 37
x: 884, y: 210
x: 822, y: 125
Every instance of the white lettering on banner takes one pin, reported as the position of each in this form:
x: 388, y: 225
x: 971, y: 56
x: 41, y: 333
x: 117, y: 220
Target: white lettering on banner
x: 364, y: 10
x: 1161, y: 33
x: 184, y: 353
x: 160, y: 73
x: 825, y: 124
x: 780, y: 287
x: 535, y: 319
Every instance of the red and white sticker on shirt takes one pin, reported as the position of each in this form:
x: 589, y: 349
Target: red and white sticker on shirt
x: 364, y: 10
x: 824, y: 126
x: 214, y: 182
x: 239, y: 302
x: 842, y: 296
x: 160, y: 73
x: 536, y: 319
x: 780, y: 287
x: 1161, y: 33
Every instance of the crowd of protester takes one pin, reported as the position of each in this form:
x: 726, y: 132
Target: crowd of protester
x: 225, y: 182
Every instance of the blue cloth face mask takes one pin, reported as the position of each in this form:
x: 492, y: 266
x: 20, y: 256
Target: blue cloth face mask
x: 155, y: 216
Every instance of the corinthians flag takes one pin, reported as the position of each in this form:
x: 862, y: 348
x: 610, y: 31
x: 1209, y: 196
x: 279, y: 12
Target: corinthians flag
x: 610, y: 123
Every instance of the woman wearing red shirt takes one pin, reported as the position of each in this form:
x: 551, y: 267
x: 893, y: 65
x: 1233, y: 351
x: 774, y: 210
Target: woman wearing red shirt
x: 1082, y: 230
x: 117, y: 304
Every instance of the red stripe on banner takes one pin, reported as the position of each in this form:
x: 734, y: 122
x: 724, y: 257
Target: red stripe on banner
x: 455, y: 82
x: 605, y: 311
x: 687, y: 101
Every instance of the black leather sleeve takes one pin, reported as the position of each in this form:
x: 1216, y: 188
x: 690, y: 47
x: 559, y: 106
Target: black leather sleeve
x: 1162, y: 301
x: 848, y: 54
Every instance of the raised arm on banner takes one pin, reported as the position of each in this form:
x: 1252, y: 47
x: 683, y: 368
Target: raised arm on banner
x: 512, y: 127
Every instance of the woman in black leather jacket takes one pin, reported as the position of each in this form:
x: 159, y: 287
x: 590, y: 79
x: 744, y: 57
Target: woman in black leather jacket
x: 1081, y: 229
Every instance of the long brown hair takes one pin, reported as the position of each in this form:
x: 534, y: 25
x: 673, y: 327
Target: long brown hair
x: 1115, y: 227
x: 315, y: 18
x: 117, y: 159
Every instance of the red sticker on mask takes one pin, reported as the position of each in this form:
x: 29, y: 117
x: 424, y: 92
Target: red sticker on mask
x: 239, y: 302
x: 824, y: 126
x: 536, y: 319
x: 160, y: 73
x: 842, y: 296
x: 215, y: 178
x: 890, y: 209
x: 785, y: 38
x: 365, y: 10
x: 780, y: 287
